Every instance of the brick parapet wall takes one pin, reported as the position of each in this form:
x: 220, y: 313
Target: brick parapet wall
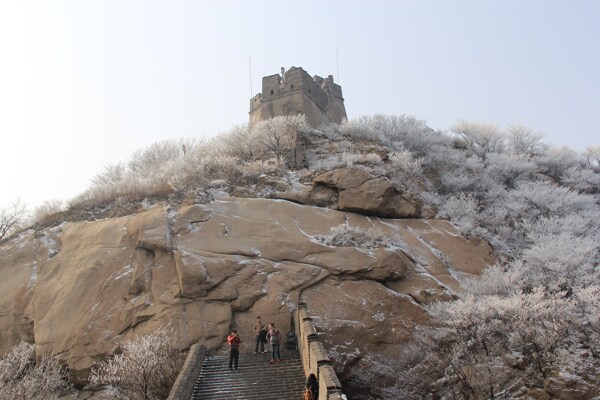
x: 184, y: 384
x: 315, y: 359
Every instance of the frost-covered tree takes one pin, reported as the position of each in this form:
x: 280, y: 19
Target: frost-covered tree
x: 557, y: 160
x: 241, y: 142
x: 524, y: 141
x: 582, y: 179
x: 11, y: 217
x: 534, y: 315
x: 145, y: 368
x: 490, y: 346
x: 557, y: 261
x: 509, y: 169
x: 21, y: 377
x: 471, y: 176
x: 480, y: 137
x: 112, y: 174
x: 592, y: 156
x: 532, y: 201
x: 278, y: 134
x: 149, y: 163
x: 47, y: 209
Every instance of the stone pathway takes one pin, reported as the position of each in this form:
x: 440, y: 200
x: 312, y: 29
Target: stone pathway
x: 255, y: 379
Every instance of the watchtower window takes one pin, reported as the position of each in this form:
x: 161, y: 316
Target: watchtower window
x: 272, y: 92
x: 292, y: 87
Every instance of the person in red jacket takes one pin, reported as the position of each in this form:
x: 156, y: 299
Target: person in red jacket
x: 234, y: 349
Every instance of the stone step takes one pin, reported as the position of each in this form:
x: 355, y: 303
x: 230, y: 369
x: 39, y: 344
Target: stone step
x: 256, y: 378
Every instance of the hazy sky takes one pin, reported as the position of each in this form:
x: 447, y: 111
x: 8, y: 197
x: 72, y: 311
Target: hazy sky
x: 85, y: 83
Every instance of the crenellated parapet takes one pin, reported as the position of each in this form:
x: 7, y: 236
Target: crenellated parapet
x: 314, y: 357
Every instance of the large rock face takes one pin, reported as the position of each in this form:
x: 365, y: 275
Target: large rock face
x: 79, y: 288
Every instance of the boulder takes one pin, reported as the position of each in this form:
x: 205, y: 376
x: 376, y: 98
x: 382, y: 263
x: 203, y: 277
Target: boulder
x: 362, y: 192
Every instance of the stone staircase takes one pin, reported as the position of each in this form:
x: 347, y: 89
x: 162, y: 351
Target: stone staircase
x: 256, y: 378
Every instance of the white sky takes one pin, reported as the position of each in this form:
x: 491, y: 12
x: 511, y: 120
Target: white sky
x: 85, y: 83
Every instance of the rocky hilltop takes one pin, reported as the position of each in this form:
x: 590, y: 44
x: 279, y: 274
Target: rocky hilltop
x: 337, y: 227
x: 373, y: 223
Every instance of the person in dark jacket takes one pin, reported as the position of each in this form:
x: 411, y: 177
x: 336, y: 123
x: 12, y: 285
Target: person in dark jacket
x: 311, y: 392
x: 274, y: 337
x: 234, y: 349
x: 260, y: 330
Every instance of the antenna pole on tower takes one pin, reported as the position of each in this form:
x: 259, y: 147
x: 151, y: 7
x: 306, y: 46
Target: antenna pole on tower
x: 250, y: 65
x: 337, y: 65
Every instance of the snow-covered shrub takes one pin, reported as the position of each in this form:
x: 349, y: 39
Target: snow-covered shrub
x: 531, y: 201
x: 493, y: 346
x: 23, y: 378
x: 151, y: 162
x: 332, y: 131
x: 471, y: 176
x: 462, y: 210
x: 557, y: 160
x: 349, y: 159
x: 405, y: 162
x: 386, y: 129
x: 557, y: 261
x: 565, y: 252
x: 112, y: 174
x: 241, y: 142
x: 494, y: 281
x: 145, y: 369
x: 509, y: 169
x: 399, y: 373
x: 582, y: 179
x: 345, y: 235
x: 46, y: 210
x: 592, y: 156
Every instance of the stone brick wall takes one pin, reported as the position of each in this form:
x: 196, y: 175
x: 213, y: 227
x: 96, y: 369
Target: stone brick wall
x: 295, y: 158
x: 184, y: 384
x: 320, y: 100
x: 314, y: 357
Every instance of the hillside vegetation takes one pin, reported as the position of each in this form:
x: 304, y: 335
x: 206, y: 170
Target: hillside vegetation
x: 530, y: 326
x: 531, y: 323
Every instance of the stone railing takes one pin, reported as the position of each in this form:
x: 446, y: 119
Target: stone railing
x: 314, y: 357
x: 184, y: 385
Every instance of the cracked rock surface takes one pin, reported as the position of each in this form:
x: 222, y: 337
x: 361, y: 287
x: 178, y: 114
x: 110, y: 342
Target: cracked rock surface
x: 78, y: 289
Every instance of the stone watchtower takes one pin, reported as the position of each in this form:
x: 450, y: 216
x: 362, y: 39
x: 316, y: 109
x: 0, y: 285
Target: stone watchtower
x: 295, y: 92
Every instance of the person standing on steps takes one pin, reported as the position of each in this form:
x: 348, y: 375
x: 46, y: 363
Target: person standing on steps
x: 234, y: 349
x: 274, y: 337
x: 260, y: 330
x: 263, y: 338
x: 311, y: 391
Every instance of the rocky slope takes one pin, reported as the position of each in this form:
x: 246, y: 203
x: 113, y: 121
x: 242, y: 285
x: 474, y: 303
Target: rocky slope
x: 76, y: 289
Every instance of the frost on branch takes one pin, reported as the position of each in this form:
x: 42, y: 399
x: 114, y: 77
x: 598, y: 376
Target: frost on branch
x: 494, y: 347
x: 11, y: 217
x: 23, y: 378
x: 145, y: 369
